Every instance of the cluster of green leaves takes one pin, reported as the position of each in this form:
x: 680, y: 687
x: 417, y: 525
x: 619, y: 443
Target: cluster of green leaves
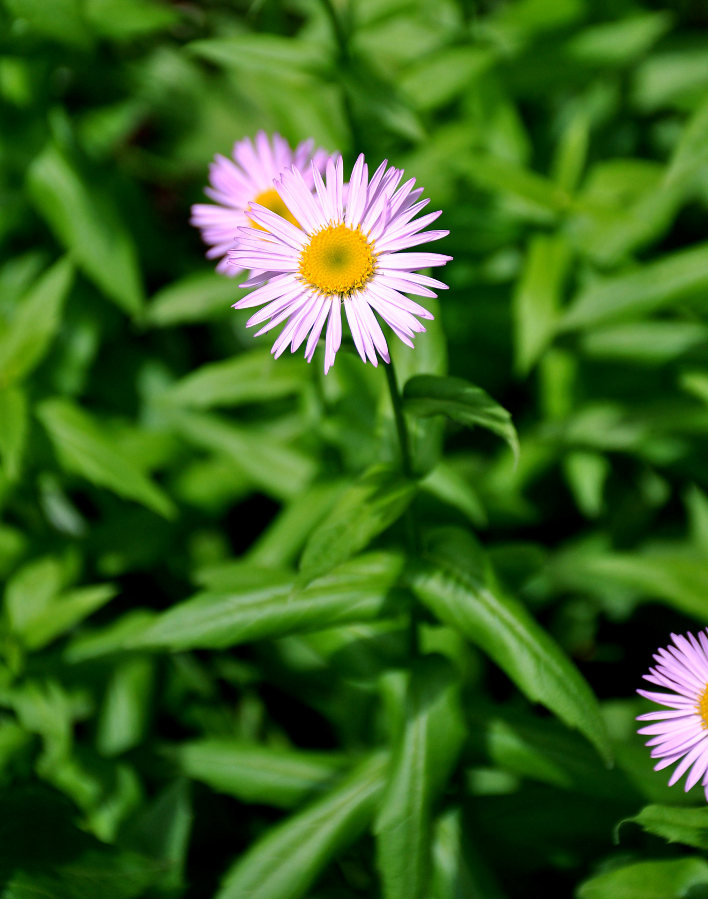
x: 246, y: 649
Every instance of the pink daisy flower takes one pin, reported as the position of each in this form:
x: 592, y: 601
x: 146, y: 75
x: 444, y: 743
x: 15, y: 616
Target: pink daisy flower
x: 343, y: 251
x: 234, y: 184
x: 681, y: 732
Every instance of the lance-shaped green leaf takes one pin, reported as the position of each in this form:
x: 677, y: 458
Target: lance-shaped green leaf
x: 667, y: 879
x: 253, y: 773
x: 65, y: 612
x: 365, y: 510
x: 268, y: 604
x: 691, y: 153
x: 637, y: 293
x: 13, y: 432
x: 460, y: 401
x: 249, y: 378
x: 277, y: 469
x: 677, y: 825
x: 197, y: 297
x: 85, y: 451
x: 537, y: 297
x: 84, y: 219
x: 459, y: 868
x: 34, y: 324
x: 456, y: 583
x: 428, y: 746
x: 285, y: 862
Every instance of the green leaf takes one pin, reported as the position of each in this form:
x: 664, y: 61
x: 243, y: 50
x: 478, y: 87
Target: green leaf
x: 260, y: 774
x: 457, y: 585
x: 460, y: 401
x: 248, y: 378
x: 62, y: 21
x: 267, y: 604
x: 433, y: 733
x: 277, y: 469
x: 656, y: 285
x: 285, y: 862
x: 65, y: 612
x: 196, y: 297
x: 34, y: 324
x: 266, y: 53
x: 162, y: 831
x: 85, y: 451
x: 498, y: 174
x: 644, y: 343
x: 619, y: 43
x: 127, y: 20
x: 537, y: 297
x: 13, y: 433
x: 362, y: 512
x: 459, y: 868
x: 84, y: 219
x: 282, y: 540
x: 437, y: 78
x: 677, y: 825
x: 669, y: 879
x: 31, y: 590
x: 691, y: 153
x: 126, y: 706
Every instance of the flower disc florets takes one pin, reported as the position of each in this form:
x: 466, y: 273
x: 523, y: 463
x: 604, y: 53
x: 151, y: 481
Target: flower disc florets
x: 342, y: 253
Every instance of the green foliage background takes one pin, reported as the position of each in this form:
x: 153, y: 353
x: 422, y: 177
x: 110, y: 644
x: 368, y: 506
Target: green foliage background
x: 243, y: 653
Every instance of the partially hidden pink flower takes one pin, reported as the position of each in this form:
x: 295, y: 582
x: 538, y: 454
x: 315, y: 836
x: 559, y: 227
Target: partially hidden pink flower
x: 342, y: 251
x: 680, y: 733
x: 236, y: 183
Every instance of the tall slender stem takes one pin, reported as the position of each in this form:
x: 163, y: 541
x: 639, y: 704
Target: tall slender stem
x: 401, y: 429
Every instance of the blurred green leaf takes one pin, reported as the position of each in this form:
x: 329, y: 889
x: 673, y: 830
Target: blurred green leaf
x: 127, y: 20
x: 497, y: 174
x: 84, y: 218
x: 644, y: 343
x: 13, y: 433
x: 34, y: 324
x: 66, y: 611
x: 286, y: 861
x: 193, y: 298
x: 459, y: 869
x: 263, y: 53
x: 691, y: 153
x: 275, y: 468
x: 30, y: 591
x: 438, y: 78
x: 162, y: 832
x: 248, y: 378
x: 460, y: 401
x: 456, y: 584
x: 126, y: 705
x: 654, y: 286
x: 673, y: 77
x: 259, y: 774
x: 427, y: 750
x: 62, y: 21
x: 84, y: 450
x: 537, y: 297
x: 668, y: 879
x: 267, y: 604
x: 362, y: 512
x: 621, y: 42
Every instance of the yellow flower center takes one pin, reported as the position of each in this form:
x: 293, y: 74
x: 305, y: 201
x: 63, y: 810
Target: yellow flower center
x: 271, y: 200
x: 702, y: 707
x: 338, y: 260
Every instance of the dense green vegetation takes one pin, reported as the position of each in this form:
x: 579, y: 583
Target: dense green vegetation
x: 242, y: 653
